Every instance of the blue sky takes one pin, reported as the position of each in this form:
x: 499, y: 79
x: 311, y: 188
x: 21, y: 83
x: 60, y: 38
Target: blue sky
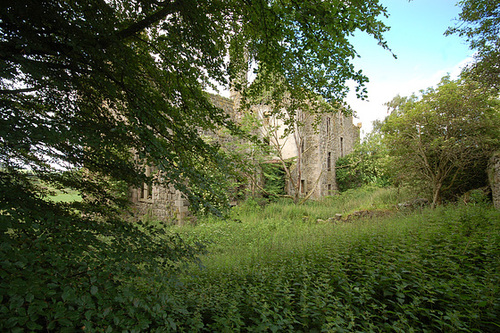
x: 424, y: 54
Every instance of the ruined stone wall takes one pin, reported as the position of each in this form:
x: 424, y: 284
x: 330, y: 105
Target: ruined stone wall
x: 320, y: 145
x: 162, y: 203
x: 334, y: 137
x: 494, y: 178
x: 310, y: 166
x: 340, y: 141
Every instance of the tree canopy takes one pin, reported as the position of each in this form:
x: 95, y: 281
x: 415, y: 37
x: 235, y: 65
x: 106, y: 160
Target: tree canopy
x: 85, y: 83
x: 86, y: 86
x: 479, y: 24
x: 442, y: 141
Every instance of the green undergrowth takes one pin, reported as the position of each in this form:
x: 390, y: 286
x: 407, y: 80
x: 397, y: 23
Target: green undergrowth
x: 276, y: 269
x: 253, y: 232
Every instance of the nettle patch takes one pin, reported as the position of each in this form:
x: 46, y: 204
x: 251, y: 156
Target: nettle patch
x: 433, y: 271
x: 271, y: 270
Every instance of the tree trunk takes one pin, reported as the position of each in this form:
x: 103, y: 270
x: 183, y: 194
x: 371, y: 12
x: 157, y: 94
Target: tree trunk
x: 436, y: 198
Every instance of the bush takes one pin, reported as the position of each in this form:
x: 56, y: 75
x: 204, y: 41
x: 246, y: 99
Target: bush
x: 61, y: 271
x: 274, y: 180
x: 366, y: 165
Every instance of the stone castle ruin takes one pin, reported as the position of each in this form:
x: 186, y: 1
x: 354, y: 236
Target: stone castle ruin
x: 334, y: 137
x: 314, y: 150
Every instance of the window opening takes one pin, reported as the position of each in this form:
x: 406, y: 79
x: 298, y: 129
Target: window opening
x: 341, y: 147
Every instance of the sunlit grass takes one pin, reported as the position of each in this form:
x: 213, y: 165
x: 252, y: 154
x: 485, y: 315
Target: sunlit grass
x: 255, y: 234
x: 65, y: 196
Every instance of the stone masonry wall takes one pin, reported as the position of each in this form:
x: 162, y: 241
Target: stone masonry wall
x: 494, y: 178
x: 164, y: 203
x: 334, y: 137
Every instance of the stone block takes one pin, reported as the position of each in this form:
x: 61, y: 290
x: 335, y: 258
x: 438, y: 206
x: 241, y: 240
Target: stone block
x: 183, y: 209
x: 181, y: 203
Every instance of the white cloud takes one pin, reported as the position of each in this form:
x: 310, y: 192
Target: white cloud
x: 382, y: 91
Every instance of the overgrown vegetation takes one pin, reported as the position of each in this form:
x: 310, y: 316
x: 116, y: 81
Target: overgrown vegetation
x: 62, y: 271
x: 368, y: 164
x: 92, y: 94
x: 279, y: 269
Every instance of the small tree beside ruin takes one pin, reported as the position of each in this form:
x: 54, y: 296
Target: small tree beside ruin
x: 304, y: 143
x: 443, y: 140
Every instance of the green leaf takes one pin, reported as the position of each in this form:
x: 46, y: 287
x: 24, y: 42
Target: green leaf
x: 482, y: 304
x: 65, y: 322
x: 29, y: 297
x: 16, y: 302
x: 33, y: 326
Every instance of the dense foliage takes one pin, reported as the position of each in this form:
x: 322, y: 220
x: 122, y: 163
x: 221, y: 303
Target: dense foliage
x: 274, y: 180
x: 442, y: 141
x: 93, y: 91
x: 479, y: 25
x: 61, y: 271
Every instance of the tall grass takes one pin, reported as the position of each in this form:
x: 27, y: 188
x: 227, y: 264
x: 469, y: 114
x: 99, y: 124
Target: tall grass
x: 254, y: 233
x: 276, y: 268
